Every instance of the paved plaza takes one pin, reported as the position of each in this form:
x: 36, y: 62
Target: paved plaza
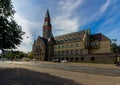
x: 84, y: 78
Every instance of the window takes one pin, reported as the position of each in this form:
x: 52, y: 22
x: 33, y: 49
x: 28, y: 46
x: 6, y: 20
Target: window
x: 62, y: 58
x: 71, y: 45
x: 92, y: 58
x: 59, y: 47
x: 82, y: 51
x: 58, y: 52
x: 62, y: 52
x: 67, y: 46
x: 55, y: 47
x: 82, y: 58
x: 76, y: 58
x: 71, y: 52
x: 77, y: 44
x: 66, y: 52
x: 71, y: 59
x: 54, y: 53
x: 67, y: 58
x: 63, y: 46
x: 76, y: 51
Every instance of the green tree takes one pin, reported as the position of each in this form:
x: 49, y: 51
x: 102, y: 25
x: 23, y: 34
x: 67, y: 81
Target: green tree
x: 21, y: 55
x: 30, y: 55
x: 10, y: 55
x: 119, y: 49
x: 114, y: 47
x: 10, y: 32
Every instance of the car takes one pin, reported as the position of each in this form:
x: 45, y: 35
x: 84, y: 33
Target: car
x: 56, y: 60
x: 64, y: 61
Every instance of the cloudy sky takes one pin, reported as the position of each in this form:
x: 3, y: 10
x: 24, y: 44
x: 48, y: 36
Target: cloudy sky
x: 101, y: 16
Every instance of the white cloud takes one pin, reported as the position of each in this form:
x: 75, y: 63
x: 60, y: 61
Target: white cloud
x: 63, y: 23
x: 105, y: 6
x: 65, y: 26
x: 28, y: 27
x: 101, y: 10
x: 68, y: 7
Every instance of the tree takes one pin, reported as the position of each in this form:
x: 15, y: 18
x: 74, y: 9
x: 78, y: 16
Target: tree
x: 21, y: 55
x: 30, y: 55
x: 119, y: 49
x: 114, y: 47
x: 10, y: 32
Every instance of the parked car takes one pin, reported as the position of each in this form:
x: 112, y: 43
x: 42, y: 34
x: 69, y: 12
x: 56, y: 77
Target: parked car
x: 56, y: 60
x: 64, y: 61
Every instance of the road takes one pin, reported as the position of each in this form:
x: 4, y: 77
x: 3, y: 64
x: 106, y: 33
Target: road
x: 74, y: 68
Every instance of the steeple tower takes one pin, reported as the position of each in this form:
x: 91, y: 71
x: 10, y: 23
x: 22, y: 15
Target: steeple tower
x: 47, y: 28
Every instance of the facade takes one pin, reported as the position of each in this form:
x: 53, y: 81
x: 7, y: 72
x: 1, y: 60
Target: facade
x: 79, y: 46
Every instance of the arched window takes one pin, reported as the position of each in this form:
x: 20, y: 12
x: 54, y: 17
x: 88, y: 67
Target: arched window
x: 76, y: 58
x: 92, y: 58
x: 71, y: 59
x: 82, y: 58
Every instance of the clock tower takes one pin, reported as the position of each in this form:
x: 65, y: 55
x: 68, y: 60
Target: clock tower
x: 47, y: 28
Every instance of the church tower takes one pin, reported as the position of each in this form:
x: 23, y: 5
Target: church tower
x: 47, y: 28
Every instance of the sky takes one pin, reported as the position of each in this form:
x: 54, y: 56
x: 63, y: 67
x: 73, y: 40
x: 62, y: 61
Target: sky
x: 101, y: 16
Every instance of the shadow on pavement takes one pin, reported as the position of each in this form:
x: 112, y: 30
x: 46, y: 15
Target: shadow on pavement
x: 18, y: 76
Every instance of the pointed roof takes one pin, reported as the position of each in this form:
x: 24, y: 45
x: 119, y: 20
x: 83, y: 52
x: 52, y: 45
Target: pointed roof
x: 47, y: 14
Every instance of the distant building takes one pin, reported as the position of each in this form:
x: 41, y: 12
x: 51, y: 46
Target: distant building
x: 79, y: 46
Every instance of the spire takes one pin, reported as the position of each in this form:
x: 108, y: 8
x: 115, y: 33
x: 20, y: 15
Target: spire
x: 47, y: 28
x: 47, y: 14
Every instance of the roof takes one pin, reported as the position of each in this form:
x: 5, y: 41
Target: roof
x: 44, y: 40
x: 71, y: 37
x: 98, y: 36
x: 47, y: 14
x: 41, y: 38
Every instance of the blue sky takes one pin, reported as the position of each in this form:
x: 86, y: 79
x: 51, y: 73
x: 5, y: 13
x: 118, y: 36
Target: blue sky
x: 101, y: 16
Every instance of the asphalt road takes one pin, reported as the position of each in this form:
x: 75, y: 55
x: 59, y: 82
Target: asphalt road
x: 66, y: 66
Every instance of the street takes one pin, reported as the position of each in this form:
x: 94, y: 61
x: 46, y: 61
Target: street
x: 72, y: 67
x: 81, y: 73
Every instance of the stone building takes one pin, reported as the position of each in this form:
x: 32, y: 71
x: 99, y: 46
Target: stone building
x: 79, y: 46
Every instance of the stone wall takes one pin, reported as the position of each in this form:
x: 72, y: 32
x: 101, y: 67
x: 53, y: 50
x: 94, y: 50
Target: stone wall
x: 104, y: 48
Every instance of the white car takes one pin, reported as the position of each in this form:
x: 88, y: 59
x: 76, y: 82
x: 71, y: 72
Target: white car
x: 64, y: 61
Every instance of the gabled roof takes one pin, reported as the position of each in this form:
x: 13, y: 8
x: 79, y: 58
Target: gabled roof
x: 71, y: 37
x: 42, y: 39
x: 98, y: 36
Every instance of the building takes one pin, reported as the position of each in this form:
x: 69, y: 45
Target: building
x: 79, y: 46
